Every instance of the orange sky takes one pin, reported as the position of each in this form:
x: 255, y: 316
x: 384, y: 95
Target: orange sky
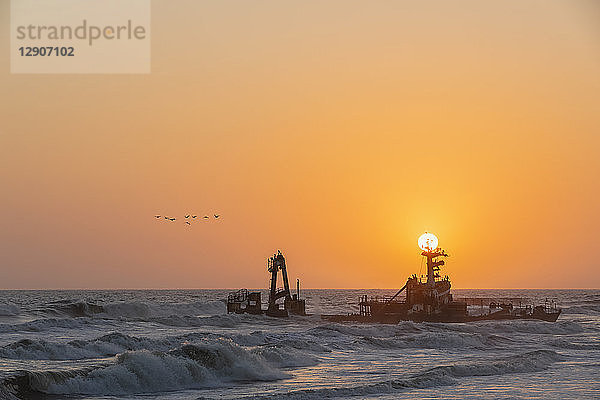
x: 336, y: 131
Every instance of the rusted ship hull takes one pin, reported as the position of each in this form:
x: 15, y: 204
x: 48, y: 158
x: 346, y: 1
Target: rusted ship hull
x: 395, y: 318
x: 391, y: 311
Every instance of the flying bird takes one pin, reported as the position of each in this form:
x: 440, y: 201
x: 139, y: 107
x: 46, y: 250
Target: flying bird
x: 157, y: 216
x: 187, y: 216
x: 187, y: 223
x: 206, y: 217
x: 172, y: 219
x: 194, y: 216
x: 217, y: 215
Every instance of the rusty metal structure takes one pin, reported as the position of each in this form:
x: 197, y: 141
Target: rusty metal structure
x: 428, y: 299
x: 243, y: 301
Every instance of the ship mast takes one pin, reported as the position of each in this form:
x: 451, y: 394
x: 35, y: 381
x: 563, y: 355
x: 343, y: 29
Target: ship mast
x: 275, y: 264
x: 433, y: 264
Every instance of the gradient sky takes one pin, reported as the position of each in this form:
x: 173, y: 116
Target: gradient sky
x: 336, y: 131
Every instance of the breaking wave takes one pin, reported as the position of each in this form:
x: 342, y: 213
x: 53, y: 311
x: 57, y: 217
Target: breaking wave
x: 130, y: 310
x: 104, y: 346
x: 189, y: 366
x: 440, y: 335
x: 282, y: 353
x: 41, y: 325
x: 147, y: 310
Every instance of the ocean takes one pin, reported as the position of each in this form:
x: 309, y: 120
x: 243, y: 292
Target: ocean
x: 181, y: 344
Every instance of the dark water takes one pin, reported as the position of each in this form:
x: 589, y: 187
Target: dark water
x: 180, y: 344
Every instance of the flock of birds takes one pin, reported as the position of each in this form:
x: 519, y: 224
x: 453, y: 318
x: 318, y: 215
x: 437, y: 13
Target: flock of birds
x: 188, y: 219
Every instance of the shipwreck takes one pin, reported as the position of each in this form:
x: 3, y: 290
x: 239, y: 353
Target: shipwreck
x: 429, y: 299
x: 244, y: 301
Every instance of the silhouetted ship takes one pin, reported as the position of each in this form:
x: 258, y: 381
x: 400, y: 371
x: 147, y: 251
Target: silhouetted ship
x: 243, y: 301
x: 427, y: 299
x: 430, y: 300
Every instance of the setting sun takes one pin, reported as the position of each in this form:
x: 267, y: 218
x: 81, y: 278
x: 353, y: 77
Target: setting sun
x: 428, y: 242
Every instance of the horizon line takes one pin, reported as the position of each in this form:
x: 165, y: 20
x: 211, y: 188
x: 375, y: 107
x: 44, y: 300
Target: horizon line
x: 321, y: 288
